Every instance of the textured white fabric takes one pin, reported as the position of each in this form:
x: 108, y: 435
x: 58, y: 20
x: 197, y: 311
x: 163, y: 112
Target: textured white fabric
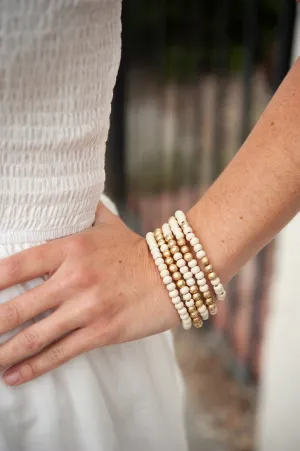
x: 58, y: 64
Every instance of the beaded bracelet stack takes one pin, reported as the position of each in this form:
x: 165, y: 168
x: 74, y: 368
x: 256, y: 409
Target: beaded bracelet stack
x: 183, y: 267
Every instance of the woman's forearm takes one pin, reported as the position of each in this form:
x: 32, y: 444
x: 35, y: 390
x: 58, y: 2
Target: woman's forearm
x: 259, y: 191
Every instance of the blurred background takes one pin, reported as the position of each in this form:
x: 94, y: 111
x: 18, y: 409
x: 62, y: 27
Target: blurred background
x: 195, y: 76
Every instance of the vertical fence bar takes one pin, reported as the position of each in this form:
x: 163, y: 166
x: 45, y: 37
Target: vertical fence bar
x: 221, y: 67
x: 250, y: 24
x: 285, y: 35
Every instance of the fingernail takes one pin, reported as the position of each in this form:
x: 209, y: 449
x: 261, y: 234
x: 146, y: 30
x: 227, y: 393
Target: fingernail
x: 12, y: 378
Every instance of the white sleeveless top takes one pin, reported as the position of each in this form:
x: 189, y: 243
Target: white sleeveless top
x: 58, y: 66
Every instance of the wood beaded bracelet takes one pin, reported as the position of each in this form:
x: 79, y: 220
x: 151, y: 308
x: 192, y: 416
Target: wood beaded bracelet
x: 163, y: 260
x: 187, y: 288
x: 201, y: 255
x: 172, y: 249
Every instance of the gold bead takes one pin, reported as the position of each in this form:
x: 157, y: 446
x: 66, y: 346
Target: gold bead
x: 173, y: 268
x: 212, y: 276
x: 194, y: 315
x: 185, y: 249
x: 160, y: 242
x: 181, y: 242
x: 188, y: 257
x: 169, y: 261
x: 213, y: 309
x: 209, y: 301
x: 204, y: 261
x: 168, y: 238
x: 176, y: 276
x: 167, y: 254
x: 157, y: 232
x: 193, y: 289
x: 198, y: 304
x: 209, y: 268
x: 172, y: 243
x: 197, y: 296
x: 197, y: 323
x: 174, y: 250
x: 207, y: 295
x: 192, y: 309
x: 180, y: 283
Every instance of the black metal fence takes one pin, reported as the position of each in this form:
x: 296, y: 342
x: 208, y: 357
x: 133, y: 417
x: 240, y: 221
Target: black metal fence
x: 195, y: 75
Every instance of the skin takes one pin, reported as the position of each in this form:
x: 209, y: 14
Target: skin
x: 103, y: 285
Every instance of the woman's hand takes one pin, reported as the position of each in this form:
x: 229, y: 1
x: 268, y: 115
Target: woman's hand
x: 103, y: 288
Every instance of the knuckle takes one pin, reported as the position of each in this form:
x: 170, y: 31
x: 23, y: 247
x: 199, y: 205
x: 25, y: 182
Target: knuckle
x: 13, y: 267
x: 31, y: 341
x: 56, y: 355
x: 83, y: 277
x: 10, y: 314
x: 27, y: 372
x: 78, y: 245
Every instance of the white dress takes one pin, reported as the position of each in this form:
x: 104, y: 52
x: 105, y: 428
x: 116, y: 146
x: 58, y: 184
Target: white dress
x: 58, y: 65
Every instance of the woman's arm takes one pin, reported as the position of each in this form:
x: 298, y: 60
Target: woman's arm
x: 259, y: 191
x: 104, y: 287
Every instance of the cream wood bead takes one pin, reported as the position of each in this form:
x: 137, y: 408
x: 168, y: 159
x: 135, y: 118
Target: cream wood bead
x: 215, y: 282
x: 201, y: 282
x: 190, y: 282
x: 190, y: 236
x: 164, y: 247
x: 194, y: 241
x: 200, y: 254
x: 195, y: 270
x: 180, y: 263
x: 174, y: 293
x: 184, y: 270
x: 183, y: 310
x: 167, y: 280
x: 221, y: 296
x: 193, y: 263
x: 162, y: 267
x: 199, y: 275
x: 187, y: 326
x: 204, y: 288
x: 202, y: 309
x: 179, y: 235
x: 187, y: 230
x: 177, y: 256
x: 176, y: 300
x: 188, y: 275
x: 179, y: 306
x: 171, y: 287
x: 185, y: 318
x: 190, y: 303
x: 159, y: 261
x: 180, y: 216
x: 184, y: 290
x: 187, y: 297
x: 164, y: 273
x: 198, y: 248
x: 156, y: 253
x: 219, y: 288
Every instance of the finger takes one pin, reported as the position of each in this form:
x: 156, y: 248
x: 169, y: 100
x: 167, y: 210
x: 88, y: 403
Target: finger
x: 29, y: 264
x: 34, y: 338
x: 55, y: 355
x: 28, y: 305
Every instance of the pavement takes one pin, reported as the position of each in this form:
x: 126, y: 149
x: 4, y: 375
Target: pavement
x: 220, y: 412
